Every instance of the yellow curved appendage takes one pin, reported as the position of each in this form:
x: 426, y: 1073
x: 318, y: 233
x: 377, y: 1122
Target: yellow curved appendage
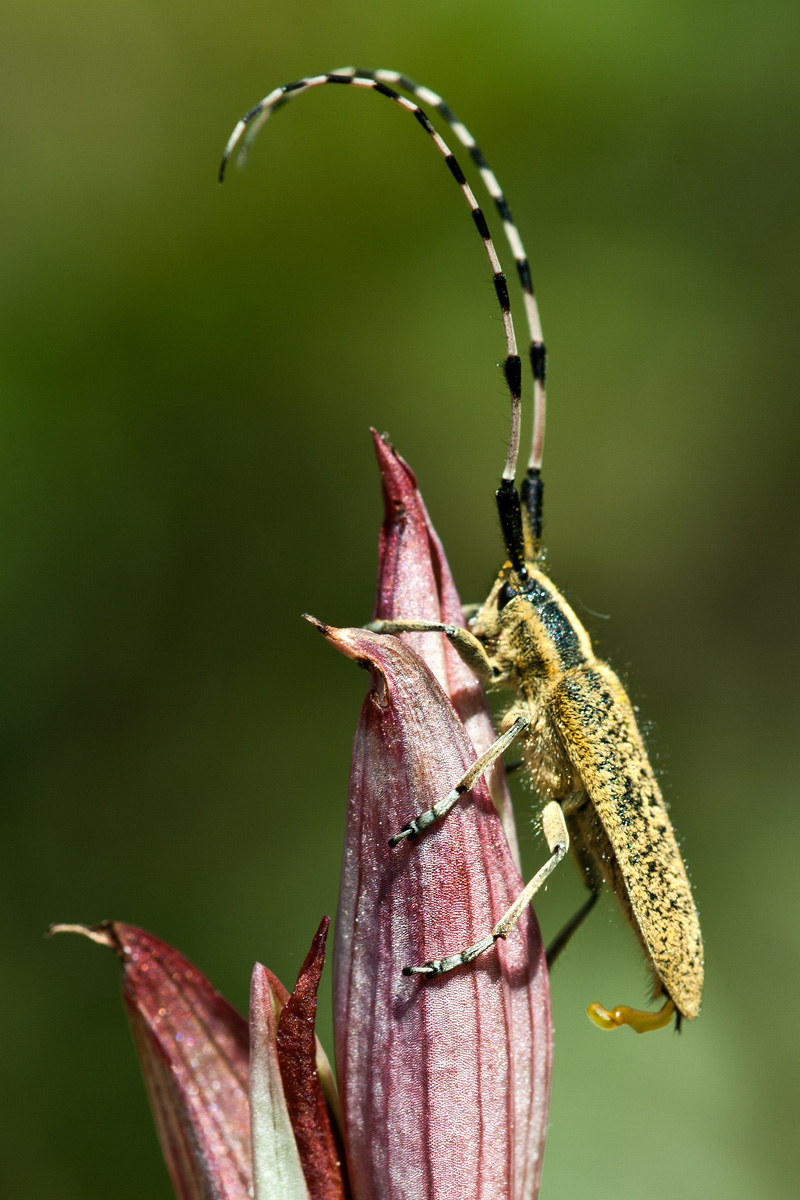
x: 642, y: 1022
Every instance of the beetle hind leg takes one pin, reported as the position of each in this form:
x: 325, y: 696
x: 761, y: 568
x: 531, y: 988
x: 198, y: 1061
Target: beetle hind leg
x: 555, y: 831
x: 579, y: 815
x: 639, y: 1020
x: 564, y: 935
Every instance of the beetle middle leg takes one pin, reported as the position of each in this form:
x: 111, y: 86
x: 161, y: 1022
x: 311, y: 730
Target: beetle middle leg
x: 554, y: 827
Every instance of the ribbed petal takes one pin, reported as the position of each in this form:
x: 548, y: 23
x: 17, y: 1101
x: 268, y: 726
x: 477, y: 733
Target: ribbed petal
x: 444, y: 1082
x: 193, y: 1049
x: 319, y: 1150
x: 277, y: 1171
x: 414, y: 580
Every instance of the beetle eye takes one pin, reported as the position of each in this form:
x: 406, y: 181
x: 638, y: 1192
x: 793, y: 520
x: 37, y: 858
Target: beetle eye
x: 506, y: 593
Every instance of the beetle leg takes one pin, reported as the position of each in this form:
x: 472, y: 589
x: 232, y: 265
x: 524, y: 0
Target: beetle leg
x: 642, y: 1022
x: 554, y: 828
x: 555, y: 831
x: 564, y: 935
x: 442, y: 807
x: 465, y: 643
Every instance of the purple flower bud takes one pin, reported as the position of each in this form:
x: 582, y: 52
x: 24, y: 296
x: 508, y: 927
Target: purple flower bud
x: 444, y: 1081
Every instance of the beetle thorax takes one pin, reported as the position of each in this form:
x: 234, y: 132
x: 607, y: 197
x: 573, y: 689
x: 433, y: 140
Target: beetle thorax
x: 529, y: 631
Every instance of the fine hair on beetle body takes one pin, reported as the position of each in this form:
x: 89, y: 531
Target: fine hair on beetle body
x: 570, y: 718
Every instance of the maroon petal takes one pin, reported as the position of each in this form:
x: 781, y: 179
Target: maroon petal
x: 414, y: 580
x: 280, y: 998
x: 193, y: 1049
x: 320, y: 1154
x: 444, y: 1082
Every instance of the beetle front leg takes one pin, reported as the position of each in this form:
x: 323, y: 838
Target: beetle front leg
x: 463, y: 642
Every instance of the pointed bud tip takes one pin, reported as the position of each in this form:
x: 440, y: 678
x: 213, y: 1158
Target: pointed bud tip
x: 384, y: 449
x: 359, y: 644
x: 352, y: 642
x: 400, y: 491
x: 318, y: 625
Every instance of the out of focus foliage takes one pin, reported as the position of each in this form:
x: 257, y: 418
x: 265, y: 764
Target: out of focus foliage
x: 188, y: 373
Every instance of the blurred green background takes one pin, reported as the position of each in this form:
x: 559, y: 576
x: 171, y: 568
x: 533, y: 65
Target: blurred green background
x: 188, y: 373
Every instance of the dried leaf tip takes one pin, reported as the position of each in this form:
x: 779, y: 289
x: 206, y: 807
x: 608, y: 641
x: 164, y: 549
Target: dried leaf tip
x: 100, y: 934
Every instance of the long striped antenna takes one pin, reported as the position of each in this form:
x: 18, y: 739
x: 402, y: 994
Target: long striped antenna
x: 522, y: 539
x: 246, y: 130
x: 532, y: 491
x: 538, y: 357
x: 430, y: 98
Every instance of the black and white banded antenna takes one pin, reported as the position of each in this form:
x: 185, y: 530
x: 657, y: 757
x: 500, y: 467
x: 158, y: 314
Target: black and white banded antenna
x: 242, y: 138
x: 532, y: 487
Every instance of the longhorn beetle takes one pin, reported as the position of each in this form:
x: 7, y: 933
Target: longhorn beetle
x: 572, y: 718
